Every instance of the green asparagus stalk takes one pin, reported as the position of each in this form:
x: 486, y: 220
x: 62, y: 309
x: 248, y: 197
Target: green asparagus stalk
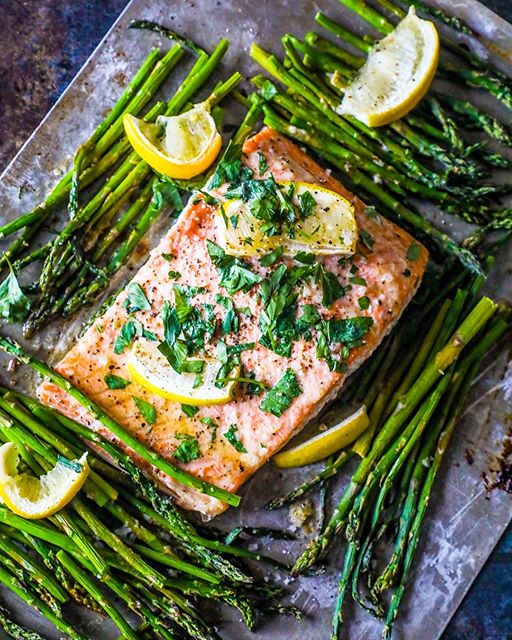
x: 443, y: 359
x: 14, y: 630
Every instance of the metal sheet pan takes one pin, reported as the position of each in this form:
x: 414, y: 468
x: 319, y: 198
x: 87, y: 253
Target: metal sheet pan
x: 463, y: 523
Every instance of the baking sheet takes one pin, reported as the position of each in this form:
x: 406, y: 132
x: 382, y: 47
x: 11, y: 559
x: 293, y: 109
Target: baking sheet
x: 463, y: 523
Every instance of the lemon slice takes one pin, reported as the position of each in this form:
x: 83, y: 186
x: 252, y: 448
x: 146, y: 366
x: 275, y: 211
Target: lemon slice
x: 329, y: 228
x: 397, y: 74
x: 34, y: 498
x: 325, y: 443
x: 149, y: 368
x: 188, y: 147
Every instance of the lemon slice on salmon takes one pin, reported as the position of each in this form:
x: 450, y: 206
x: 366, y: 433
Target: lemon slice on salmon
x: 396, y: 75
x: 325, y: 443
x: 34, y: 498
x: 189, y: 145
x: 151, y: 369
x: 328, y: 228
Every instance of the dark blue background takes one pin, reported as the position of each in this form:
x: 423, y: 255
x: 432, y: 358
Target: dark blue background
x: 66, y: 32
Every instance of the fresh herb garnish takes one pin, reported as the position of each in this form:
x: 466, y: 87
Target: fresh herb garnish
x: 364, y: 302
x: 115, y: 382
x: 413, y: 252
x: 147, y: 411
x: 230, y: 323
x: 273, y: 256
x: 174, y: 275
x: 166, y: 193
x: 168, y: 256
x: 280, y: 397
x: 232, y: 438
x: 306, y: 203
x: 210, y: 422
x: 366, y: 239
x: 188, y: 449
x: 14, y: 304
x: 131, y: 329
x: 234, y: 275
x: 136, y: 299
x: 189, y: 410
x: 262, y: 163
x: 356, y: 280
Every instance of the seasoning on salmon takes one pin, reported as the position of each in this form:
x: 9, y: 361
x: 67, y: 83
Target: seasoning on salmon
x: 337, y: 312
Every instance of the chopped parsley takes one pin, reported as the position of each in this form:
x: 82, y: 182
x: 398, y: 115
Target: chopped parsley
x: 230, y: 323
x: 232, y: 437
x: 189, y: 410
x: 413, y: 252
x: 188, y: 449
x: 168, y: 256
x: 262, y: 163
x: 279, y: 398
x: 174, y: 275
x: 210, y: 422
x: 356, y: 280
x: 306, y: 203
x: 366, y: 239
x: 128, y: 332
x: 115, y: 382
x: 273, y: 256
x: 234, y: 275
x: 136, y: 299
x: 147, y: 411
x: 364, y: 302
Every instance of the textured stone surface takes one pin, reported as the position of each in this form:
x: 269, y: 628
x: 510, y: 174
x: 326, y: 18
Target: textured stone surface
x: 44, y: 43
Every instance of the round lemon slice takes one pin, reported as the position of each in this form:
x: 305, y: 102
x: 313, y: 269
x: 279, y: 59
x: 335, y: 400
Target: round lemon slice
x: 325, y: 443
x: 34, y: 498
x: 188, y: 147
x: 329, y: 227
x: 149, y: 368
x: 396, y: 75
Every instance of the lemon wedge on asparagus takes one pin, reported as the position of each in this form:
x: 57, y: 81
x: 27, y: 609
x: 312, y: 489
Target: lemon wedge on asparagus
x: 151, y: 369
x: 325, y: 443
x: 189, y: 144
x: 328, y: 228
x: 396, y: 75
x: 34, y: 498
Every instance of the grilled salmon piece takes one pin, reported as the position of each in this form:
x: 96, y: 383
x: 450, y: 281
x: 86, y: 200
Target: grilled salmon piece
x: 391, y: 280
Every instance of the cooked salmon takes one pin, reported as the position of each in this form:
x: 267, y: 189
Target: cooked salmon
x: 384, y: 272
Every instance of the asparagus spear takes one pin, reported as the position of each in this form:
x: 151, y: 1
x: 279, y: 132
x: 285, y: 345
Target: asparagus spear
x: 14, y: 630
x: 443, y: 359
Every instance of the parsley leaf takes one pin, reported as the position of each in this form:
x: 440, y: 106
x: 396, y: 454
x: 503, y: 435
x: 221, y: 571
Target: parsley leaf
x: 413, y: 252
x: 125, y: 336
x: 268, y: 90
x: 350, y: 332
x: 280, y: 397
x: 210, y: 422
x: 189, y: 410
x: 273, y: 256
x: 364, y: 302
x: 147, y: 411
x: 262, y: 163
x: 234, y: 275
x: 306, y: 203
x: 14, y: 304
x: 136, y: 299
x: 357, y: 280
x: 188, y: 449
x: 166, y: 193
x: 231, y: 437
x: 366, y: 239
x: 115, y: 382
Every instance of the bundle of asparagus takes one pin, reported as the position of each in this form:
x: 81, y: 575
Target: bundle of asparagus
x: 121, y: 542
x: 414, y: 397
x: 426, y: 155
x: 102, y: 232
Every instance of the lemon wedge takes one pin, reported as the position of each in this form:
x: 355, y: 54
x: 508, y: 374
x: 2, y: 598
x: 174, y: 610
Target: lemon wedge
x: 188, y: 147
x: 396, y: 75
x: 34, y: 498
x: 325, y: 443
x: 149, y: 368
x: 329, y: 228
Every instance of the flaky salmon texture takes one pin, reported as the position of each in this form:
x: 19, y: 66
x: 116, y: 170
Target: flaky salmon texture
x: 384, y: 264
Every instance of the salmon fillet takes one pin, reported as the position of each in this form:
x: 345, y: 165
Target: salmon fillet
x: 384, y: 264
